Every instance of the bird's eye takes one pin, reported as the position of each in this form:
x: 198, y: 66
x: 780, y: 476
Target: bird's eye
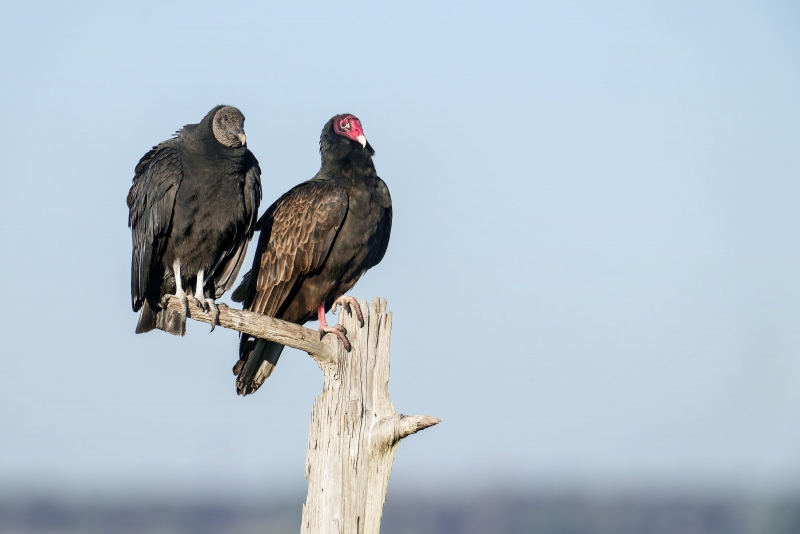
x: 345, y: 126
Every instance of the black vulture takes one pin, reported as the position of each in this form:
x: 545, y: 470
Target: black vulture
x: 315, y: 243
x: 192, y: 207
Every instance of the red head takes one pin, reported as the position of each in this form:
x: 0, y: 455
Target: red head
x: 349, y: 126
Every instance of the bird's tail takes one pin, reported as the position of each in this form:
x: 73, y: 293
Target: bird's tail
x: 163, y: 319
x: 257, y: 359
x: 240, y: 293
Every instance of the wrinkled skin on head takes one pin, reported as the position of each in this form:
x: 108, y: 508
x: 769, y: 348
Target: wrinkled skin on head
x: 342, y: 135
x: 350, y: 127
x: 228, y: 127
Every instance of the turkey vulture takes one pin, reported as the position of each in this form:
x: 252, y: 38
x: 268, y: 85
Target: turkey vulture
x: 315, y: 243
x: 192, y: 207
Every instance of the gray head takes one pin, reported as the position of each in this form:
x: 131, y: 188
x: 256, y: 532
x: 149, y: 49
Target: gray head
x: 228, y: 127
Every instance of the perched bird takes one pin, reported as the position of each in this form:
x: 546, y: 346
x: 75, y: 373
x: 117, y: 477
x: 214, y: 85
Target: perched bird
x: 315, y: 243
x: 192, y: 207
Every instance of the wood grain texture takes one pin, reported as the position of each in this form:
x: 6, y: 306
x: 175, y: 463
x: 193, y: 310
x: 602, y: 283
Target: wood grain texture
x: 269, y: 328
x: 355, y: 431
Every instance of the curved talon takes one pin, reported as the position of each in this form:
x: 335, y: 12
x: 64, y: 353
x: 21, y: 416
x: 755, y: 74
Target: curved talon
x: 213, y: 311
x: 350, y: 304
x: 337, y: 332
x: 197, y: 302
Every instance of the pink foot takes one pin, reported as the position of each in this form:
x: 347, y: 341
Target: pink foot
x: 349, y: 303
x: 338, y: 330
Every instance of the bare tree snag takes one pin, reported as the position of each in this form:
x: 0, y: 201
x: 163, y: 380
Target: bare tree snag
x: 355, y: 429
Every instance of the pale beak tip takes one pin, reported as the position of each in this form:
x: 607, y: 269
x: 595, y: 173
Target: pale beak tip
x: 243, y: 139
x: 363, y: 140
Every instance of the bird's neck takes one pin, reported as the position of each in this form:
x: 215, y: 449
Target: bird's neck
x: 344, y: 158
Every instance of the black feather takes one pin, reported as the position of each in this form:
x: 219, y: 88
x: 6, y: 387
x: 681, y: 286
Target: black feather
x: 196, y: 201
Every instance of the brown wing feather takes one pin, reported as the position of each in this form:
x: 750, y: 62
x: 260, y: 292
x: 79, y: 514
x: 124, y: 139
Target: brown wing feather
x: 296, y: 236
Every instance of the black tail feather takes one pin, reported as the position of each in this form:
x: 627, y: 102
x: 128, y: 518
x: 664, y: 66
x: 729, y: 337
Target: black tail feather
x: 257, y: 360
x: 163, y: 319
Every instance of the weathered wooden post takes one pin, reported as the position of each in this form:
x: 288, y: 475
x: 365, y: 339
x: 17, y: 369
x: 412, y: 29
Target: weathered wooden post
x: 354, y: 429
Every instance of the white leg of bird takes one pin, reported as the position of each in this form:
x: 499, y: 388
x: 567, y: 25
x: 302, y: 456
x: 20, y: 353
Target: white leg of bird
x: 176, y: 268
x: 198, y: 299
x: 207, y: 304
x: 179, y: 290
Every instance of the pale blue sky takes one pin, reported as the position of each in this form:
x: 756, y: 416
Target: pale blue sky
x: 594, y: 264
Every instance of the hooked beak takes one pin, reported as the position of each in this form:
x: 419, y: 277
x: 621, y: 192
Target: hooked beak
x: 363, y: 140
x: 242, y: 137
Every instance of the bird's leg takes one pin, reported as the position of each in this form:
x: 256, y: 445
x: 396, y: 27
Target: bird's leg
x: 338, y: 330
x: 176, y: 268
x: 198, y: 299
x: 349, y: 303
x: 179, y: 290
x: 206, y: 304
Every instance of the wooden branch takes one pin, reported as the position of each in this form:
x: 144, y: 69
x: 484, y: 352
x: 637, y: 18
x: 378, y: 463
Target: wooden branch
x: 264, y: 327
x: 413, y: 424
x: 355, y: 429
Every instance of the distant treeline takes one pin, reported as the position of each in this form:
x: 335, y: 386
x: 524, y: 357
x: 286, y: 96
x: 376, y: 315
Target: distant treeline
x: 484, y: 514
